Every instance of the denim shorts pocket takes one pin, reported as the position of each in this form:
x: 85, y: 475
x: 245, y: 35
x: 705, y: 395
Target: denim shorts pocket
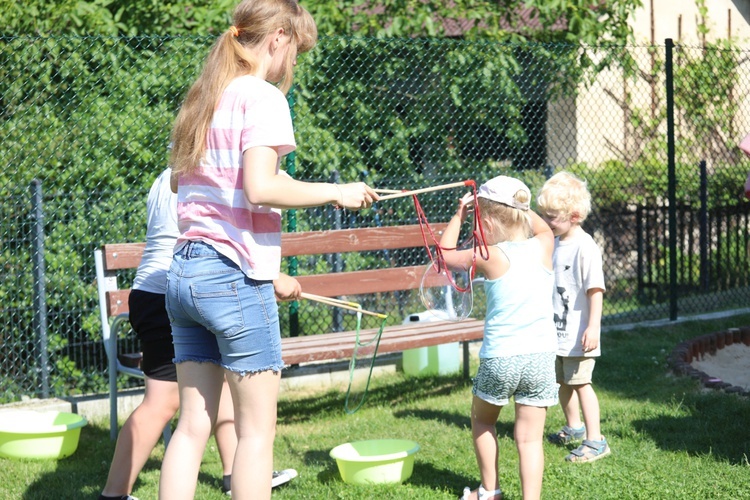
x: 219, y: 307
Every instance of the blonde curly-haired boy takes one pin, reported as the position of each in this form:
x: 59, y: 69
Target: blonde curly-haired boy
x: 564, y: 202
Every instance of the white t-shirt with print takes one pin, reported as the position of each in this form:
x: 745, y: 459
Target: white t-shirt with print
x: 578, y: 268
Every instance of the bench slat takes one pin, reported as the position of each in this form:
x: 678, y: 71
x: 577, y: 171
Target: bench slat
x: 117, y: 302
x: 122, y: 255
x: 355, y: 240
x: 128, y: 255
x: 330, y: 285
x: 340, y: 345
x: 362, y: 282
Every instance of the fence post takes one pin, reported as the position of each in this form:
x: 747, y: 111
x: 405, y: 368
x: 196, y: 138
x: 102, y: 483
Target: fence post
x: 40, y: 300
x: 672, y: 184
x: 337, y: 264
x: 291, y: 219
x: 705, y: 277
x: 640, y: 268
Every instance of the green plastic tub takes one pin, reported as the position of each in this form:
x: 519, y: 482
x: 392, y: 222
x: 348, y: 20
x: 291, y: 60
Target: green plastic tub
x: 39, y: 435
x: 375, y: 461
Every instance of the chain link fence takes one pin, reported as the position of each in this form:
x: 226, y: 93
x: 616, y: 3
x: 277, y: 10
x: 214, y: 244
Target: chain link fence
x: 85, y: 123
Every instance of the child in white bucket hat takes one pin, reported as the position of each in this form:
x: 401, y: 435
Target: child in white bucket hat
x: 517, y: 357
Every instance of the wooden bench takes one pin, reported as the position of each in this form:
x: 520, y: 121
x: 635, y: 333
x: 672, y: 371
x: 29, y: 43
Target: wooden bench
x: 113, y: 300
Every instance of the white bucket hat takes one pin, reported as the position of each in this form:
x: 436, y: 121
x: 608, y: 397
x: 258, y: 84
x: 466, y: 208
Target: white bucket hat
x: 503, y: 189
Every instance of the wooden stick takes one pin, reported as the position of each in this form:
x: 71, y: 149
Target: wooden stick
x: 424, y: 190
x: 388, y: 191
x: 340, y: 303
x: 332, y: 300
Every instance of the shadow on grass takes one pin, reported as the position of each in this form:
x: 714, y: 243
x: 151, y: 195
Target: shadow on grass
x: 81, y: 475
x: 396, y: 391
x: 330, y: 473
x: 444, y: 417
x: 425, y: 475
x: 717, y: 426
x: 679, y: 415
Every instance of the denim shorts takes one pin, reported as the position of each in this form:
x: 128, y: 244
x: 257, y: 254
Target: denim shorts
x: 528, y: 378
x: 219, y: 315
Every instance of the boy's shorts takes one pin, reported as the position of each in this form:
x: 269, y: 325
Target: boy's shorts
x: 528, y: 378
x: 575, y: 370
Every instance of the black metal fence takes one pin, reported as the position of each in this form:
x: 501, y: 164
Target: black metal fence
x: 85, y: 123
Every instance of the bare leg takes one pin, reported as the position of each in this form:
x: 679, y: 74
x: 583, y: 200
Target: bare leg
x: 569, y: 402
x: 200, y: 391
x: 139, y: 435
x: 590, y: 408
x: 255, y: 397
x: 529, y: 431
x: 483, y: 419
x: 224, y: 431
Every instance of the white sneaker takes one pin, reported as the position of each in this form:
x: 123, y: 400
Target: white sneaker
x: 282, y: 476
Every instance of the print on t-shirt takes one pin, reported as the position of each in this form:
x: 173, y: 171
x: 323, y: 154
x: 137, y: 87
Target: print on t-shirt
x: 562, y: 322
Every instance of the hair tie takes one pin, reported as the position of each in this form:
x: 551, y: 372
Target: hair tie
x: 234, y: 31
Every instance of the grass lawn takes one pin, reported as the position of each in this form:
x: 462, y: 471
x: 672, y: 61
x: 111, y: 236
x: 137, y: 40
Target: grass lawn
x: 670, y: 438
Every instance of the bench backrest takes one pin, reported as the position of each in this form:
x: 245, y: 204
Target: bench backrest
x: 119, y: 256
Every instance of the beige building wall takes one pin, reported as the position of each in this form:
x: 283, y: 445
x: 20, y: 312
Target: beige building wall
x: 591, y: 128
x: 679, y: 20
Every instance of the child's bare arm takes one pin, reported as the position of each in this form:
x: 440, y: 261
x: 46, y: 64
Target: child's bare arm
x: 592, y: 334
x: 286, y: 287
x: 544, y: 234
x: 457, y: 259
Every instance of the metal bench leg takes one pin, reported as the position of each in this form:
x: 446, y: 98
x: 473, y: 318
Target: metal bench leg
x: 112, y: 398
x: 466, y: 359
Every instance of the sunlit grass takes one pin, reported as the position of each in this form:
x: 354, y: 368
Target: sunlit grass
x: 670, y: 437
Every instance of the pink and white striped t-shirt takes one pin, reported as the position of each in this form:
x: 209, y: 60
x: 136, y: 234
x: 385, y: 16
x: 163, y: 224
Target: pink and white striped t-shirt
x: 211, y: 204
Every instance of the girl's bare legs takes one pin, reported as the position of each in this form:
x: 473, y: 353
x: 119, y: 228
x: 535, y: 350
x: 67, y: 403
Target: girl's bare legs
x: 255, y: 397
x: 139, y: 435
x: 529, y: 431
x: 224, y: 431
x: 200, y: 390
x: 590, y: 408
x: 569, y: 402
x: 483, y: 419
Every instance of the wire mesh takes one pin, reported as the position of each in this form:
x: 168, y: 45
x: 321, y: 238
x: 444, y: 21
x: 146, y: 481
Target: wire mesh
x: 87, y: 120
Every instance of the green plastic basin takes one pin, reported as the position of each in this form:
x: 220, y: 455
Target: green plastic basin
x: 375, y: 461
x: 39, y: 435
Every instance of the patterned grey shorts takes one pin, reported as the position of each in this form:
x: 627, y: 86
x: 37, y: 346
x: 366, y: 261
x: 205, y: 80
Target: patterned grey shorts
x: 529, y: 378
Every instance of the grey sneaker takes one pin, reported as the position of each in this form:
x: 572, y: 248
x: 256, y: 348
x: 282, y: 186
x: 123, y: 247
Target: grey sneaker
x: 567, y: 435
x: 589, y: 451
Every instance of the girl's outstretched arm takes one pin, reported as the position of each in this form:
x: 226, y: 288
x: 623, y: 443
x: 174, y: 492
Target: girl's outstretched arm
x: 263, y: 186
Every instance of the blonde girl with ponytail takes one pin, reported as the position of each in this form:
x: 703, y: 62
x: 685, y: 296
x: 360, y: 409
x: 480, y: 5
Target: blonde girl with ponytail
x: 227, y: 143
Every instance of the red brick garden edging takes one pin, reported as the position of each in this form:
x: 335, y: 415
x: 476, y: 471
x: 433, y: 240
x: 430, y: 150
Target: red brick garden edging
x: 695, y: 349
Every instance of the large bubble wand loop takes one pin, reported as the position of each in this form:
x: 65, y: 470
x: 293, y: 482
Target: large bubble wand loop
x: 477, y: 238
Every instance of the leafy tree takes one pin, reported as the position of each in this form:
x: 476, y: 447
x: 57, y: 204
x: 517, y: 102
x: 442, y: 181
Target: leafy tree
x: 88, y: 91
x: 114, y: 17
